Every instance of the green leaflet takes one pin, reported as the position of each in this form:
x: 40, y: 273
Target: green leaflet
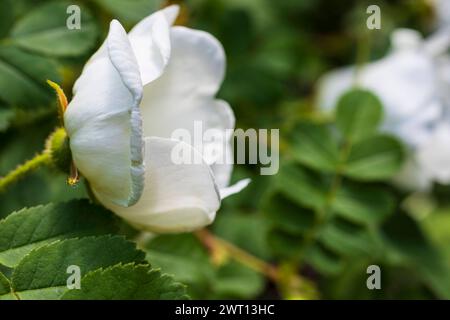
x: 315, y: 147
x: 44, y: 31
x: 31, y: 228
x: 5, y: 285
x: 347, y: 239
x: 127, y: 282
x: 324, y: 260
x: 363, y: 204
x: 288, y: 215
x: 376, y: 158
x: 42, y: 274
x: 359, y: 112
x: 40, y: 31
x: 407, y: 245
x: 22, y: 72
x: 6, y: 115
x: 130, y: 11
x: 302, y: 185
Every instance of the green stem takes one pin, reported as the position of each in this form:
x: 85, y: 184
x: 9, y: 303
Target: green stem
x: 323, y: 214
x: 23, y: 169
x: 362, y: 56
x: 289, y: 282
x: 216, y: 244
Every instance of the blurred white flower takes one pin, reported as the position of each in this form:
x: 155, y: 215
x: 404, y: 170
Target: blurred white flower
x: 132, y: 94
x: 413, y: 83
x: 442, y: 11
x: 436, y: 164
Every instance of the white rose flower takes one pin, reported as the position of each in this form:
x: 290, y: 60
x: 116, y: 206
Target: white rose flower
x: 132, y: 94
x: 412, y: 82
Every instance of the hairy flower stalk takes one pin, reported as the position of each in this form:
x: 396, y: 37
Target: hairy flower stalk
x: 56, y: 153
x: 23, y: 169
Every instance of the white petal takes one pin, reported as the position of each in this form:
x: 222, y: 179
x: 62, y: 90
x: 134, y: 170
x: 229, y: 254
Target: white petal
x: 150, y: 40
x: 104, y: 123
x: 176, y: 197
x: 184, y: 95
x: 190, y: 81
x: 235, y: 188
x: 197, y: 65
x: 223, y: 167
x: 171, y: 13
x: 434, y: 155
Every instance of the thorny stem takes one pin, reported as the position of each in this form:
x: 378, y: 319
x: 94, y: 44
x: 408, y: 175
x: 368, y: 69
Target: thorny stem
x: 23, y: 169
x: 274, y: 273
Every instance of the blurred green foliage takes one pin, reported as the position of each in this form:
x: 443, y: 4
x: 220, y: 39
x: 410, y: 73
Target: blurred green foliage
x: 330, y: 211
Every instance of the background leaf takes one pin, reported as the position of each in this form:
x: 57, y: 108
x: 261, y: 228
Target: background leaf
x: 186, y: 258
x: 44, y: 31
x: 376, y: 158
x: 358, y: 114
x: 127, y: 282
x: 22, y: 72
x: 5, y: 285
x: 131, y: 11
x: 314, y: 146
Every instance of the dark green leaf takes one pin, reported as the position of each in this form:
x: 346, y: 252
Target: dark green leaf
x: 376, y: 158
x: 42, y: 274
x: 302, y: 186
x: 31, y: 228
x: 6, y: 115
x: 347, y: 239
x: 184, y: 257
x: 127, y: 282
x: 130, y: 11
x: 5, y: 286
x: 284, y: 244
x: 288, y: 215
x: 23, y: 76
x: 323, y: 260
x: 363, y: 204
x: 44, y: 30
x: 359, y: 113
x: 315, y: 147
x: 407, y: 245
